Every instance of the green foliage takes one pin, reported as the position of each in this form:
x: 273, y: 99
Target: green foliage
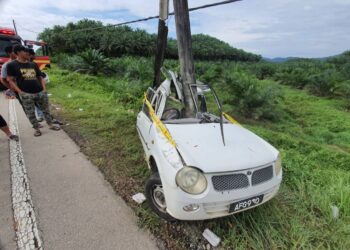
x: 253, y: 98
x: 345, y: 70
x: 65, y: 61
x: 90, y: 61
x: 263, y: 70
x: 344, y: 91
x: 313, y: 137
x: 325, y: 83
x: 209, y: 73
x: 93, y: 62
x: 295, y: 75
x: 122, y: 40
x: 322, y: 78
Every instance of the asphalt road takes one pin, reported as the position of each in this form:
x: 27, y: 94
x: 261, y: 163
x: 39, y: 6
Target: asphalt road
x: 75, y: 207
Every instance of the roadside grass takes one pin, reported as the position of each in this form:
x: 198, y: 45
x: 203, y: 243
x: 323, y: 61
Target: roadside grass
x: 313, y: 135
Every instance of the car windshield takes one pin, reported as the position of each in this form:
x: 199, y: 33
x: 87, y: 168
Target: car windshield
x: 209, y: 107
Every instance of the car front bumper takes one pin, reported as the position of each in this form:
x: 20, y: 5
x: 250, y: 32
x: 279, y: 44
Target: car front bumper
x: 213, y: 204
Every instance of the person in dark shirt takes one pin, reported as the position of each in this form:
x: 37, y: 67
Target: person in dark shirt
x: 26, y: 79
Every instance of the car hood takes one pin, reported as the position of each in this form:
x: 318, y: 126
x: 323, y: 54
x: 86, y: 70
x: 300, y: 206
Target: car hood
x: 201, y: 146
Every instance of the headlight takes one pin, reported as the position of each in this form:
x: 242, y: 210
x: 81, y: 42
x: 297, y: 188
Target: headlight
x: 278, y: 165
x: 191, y: 180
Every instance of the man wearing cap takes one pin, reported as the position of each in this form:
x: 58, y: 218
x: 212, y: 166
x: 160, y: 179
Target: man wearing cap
x: 26, y: 79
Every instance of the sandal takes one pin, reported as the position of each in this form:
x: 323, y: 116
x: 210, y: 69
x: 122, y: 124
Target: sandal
x: 14, y: 137
x: 37, y: 133
x: 55, y: 128
x: 54, y: 121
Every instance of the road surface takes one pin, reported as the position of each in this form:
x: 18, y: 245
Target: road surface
x: 59, y: 200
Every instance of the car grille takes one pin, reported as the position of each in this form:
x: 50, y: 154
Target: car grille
x: 241, y: 180
x: 262, y: 175
x: 229, y: 182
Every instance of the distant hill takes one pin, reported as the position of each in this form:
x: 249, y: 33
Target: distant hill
x: 285, y: 59
x: 206, y: 47
x: 278, y: 59
x: 123, y: 40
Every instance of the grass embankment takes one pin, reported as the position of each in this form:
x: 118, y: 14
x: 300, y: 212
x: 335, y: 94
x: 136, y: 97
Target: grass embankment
x: 313, y: 136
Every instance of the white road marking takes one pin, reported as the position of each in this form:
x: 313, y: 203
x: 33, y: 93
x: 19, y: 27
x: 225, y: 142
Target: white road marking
x: 25, y: 221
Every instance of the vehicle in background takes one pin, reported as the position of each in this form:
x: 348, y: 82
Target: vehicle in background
x: 9, y: 37
x: 42, y: 58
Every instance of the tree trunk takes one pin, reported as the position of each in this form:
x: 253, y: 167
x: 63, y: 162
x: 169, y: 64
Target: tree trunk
x: 184, y: 41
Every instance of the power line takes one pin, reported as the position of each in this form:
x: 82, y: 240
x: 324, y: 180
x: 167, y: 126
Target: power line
x: 28, y: 30
x: 151, y: 17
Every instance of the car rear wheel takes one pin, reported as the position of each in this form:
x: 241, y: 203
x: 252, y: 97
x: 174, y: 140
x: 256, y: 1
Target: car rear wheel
x: 156, y: 198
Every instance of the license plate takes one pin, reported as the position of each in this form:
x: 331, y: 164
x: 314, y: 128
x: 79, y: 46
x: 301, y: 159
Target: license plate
x: 243, y: 204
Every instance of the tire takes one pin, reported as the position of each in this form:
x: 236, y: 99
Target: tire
x: 153, y: 191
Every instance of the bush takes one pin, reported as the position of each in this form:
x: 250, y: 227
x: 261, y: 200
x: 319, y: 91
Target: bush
x: 264, y: 70
x: 325, y: 83
x: 345, y: 70
x: 293, y: 76
x: 118, y: 66
x: 72, y: 63
x: 211, y: 74
x: 130, y: 93
x: 93, y: 62
x: 140, y: 69
x: 344, y: 91
x: 253, y: 98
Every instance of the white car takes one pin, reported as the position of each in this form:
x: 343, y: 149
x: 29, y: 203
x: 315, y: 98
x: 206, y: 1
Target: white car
x: 203, y: 167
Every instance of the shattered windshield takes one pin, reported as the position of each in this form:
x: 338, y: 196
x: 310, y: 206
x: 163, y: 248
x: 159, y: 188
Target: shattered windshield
x: 209, y: 108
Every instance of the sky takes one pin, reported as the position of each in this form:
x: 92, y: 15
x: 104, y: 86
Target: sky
x: 271, y: 28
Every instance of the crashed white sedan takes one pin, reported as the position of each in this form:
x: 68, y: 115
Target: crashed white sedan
x: 203, y: 167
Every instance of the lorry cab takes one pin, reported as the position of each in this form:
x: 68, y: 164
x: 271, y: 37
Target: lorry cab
x: 8, y: 37
x: 41, y: 49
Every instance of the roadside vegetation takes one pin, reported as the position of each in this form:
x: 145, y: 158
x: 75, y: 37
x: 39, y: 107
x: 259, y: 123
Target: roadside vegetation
x: 301, y: 106
x: 313, y: 134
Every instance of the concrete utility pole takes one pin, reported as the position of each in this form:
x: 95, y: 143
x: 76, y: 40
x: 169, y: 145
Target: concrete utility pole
x: 161, y: 40
x: 184, y: 42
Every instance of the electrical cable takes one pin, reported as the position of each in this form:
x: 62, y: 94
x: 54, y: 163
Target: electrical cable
x: 151, y: 17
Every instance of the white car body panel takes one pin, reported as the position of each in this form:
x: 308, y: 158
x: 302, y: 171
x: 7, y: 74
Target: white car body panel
x: 201, y: 145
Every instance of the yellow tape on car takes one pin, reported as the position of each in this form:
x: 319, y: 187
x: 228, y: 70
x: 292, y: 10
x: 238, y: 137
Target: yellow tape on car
x: 159, y: 123
x: 228, y: 117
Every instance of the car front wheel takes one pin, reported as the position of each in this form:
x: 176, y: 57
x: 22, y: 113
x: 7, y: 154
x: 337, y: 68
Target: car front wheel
x: 156, y: 198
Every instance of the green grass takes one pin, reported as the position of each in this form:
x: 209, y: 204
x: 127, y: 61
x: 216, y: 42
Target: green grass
x: 313, y: 135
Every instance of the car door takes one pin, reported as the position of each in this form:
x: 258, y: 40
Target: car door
x: 144, y: 121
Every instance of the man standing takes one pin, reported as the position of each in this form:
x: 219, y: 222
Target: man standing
x: 12, y: 56
x: 26, y: 79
